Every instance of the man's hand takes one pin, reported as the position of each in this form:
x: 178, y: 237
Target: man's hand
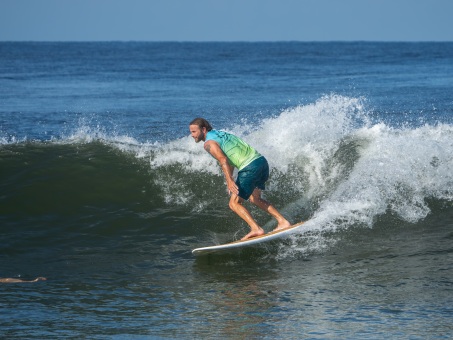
x: 232, y: 188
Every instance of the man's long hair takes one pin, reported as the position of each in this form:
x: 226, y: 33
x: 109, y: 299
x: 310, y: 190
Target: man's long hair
x: 202, y: 123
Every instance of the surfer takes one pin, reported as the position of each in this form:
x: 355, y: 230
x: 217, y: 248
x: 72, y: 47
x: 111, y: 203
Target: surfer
x: 253, y: 171
x: 14, y: 280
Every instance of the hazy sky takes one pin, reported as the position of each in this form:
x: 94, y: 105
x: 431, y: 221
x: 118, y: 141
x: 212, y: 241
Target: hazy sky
x: 226, y: 20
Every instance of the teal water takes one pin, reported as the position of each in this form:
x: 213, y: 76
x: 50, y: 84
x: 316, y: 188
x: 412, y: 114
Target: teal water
x: 103, y: 192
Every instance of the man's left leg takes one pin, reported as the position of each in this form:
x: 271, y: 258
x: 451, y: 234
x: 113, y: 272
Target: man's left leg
x: 264, y: 205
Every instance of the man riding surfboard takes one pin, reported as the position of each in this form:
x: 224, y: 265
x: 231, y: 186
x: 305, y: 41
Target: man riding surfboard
x: 253, y: 171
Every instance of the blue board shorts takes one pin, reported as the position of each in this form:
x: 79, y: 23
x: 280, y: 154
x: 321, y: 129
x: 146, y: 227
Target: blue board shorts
x: 252, y: 176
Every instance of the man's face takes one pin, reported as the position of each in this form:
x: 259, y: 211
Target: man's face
x: 197, y: 133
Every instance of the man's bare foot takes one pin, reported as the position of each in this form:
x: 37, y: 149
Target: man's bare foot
x: 283, y: 226
x: 253, y: 233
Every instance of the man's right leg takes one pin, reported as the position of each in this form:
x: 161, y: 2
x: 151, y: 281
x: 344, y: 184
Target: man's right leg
x: 237, y: 206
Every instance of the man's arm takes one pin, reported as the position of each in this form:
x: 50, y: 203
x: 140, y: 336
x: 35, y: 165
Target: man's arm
x: 214, y: 149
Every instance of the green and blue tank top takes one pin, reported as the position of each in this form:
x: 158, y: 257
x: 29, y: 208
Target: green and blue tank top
x: 238, y: 152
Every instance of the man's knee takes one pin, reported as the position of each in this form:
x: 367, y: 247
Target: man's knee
x: 235, y: 201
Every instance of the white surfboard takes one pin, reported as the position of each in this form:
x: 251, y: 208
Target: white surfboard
x: 249, y: 242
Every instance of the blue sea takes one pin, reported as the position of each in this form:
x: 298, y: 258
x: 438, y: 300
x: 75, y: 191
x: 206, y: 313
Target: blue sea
x: 104, y: 193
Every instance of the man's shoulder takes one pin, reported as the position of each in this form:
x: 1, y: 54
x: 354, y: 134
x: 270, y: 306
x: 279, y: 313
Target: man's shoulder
x: 213, y: 134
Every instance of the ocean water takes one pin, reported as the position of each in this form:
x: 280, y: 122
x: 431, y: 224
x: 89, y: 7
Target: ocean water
x: 104, y: 193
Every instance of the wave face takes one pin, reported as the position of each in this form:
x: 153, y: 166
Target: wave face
x: 331, y: 164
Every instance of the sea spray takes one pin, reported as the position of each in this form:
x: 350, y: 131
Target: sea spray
x: 329, y: 163
x: 400, y: 173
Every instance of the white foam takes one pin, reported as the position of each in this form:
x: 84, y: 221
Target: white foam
x: 399, y: 171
